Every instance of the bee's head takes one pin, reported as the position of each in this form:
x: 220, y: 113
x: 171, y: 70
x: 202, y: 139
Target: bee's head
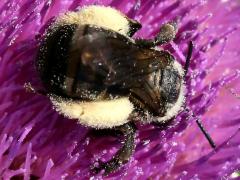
x: 101, y: 16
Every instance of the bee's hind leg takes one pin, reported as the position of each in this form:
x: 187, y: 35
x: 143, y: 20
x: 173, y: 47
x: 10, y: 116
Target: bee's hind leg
x: 166, y: 34
x: 123, y: 154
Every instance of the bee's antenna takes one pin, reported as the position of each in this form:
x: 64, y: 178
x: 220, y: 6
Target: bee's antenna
x: 188, y: 58
x: 186, y: 67
x: 208, y: 137
x: 29, y: 88
x: 204, y: 131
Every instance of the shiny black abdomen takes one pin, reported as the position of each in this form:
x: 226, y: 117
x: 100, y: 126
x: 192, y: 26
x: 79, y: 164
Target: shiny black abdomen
x: 61, y: 66
x: 170, y: 84
x: 52, y: 57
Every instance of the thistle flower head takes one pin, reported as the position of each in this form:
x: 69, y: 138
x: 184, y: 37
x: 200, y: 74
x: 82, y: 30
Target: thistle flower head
x: 35, y: 141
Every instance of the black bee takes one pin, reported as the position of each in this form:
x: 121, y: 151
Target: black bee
x: 95, y: 72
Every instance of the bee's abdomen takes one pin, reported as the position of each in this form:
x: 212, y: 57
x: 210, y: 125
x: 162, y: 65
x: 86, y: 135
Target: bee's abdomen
x: 52, y: 57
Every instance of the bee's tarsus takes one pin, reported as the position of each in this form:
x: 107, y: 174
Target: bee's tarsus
x: 29, y: 88
x: 166, y: 34
x: 123, y: 154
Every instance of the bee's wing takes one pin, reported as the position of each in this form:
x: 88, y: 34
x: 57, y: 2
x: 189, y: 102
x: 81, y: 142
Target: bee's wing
x: 134, y: 63
x: 147, y: 96
x: 116, y: 57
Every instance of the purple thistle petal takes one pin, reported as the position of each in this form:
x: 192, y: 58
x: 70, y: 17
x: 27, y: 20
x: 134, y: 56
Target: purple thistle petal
x: 36, y: 141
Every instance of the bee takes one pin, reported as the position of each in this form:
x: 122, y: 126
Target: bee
x: 95, y: 72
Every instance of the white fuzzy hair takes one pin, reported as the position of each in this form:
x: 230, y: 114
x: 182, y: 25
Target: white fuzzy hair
x: 96, y: 114
x: 100, y: 16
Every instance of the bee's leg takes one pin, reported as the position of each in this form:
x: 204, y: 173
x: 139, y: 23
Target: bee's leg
x: 124, y: 153
x: 105, y: 132
x: 166, y: 34
x: 28, y: 87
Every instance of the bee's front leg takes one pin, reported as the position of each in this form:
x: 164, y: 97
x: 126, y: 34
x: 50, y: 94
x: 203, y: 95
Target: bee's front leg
x: 166, y: 34
x: 124, y: 153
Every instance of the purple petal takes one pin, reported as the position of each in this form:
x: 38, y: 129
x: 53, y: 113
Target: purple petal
x: 36, y: 141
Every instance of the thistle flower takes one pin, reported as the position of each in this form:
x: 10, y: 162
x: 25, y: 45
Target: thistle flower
x: 36, y: 142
